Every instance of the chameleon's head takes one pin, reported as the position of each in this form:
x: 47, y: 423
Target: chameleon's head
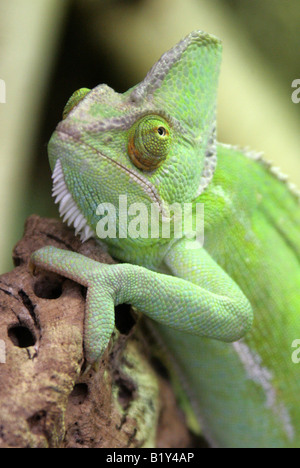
x: 154, y: 144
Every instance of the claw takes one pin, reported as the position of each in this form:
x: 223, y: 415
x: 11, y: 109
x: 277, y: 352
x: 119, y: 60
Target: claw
x: 32, y: 268
x: 95, y: 366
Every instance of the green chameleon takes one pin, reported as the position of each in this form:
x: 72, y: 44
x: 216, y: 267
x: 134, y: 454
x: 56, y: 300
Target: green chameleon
x: 229, y: 310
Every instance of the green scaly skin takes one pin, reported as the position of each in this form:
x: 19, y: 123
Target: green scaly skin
x: 156, y: 144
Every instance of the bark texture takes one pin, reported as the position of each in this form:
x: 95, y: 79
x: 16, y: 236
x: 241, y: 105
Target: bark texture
x: 47, y: 396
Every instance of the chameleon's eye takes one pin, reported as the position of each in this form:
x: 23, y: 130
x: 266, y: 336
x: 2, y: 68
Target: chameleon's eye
x: 76, y: 97
x: 149, y: 142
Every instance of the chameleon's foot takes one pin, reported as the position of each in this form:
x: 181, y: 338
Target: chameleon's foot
x: 97, y: 277
x: 199, y: 307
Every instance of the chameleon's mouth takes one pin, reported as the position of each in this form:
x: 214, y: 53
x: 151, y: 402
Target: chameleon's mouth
x: 68, y: 209
x: 67, y: 204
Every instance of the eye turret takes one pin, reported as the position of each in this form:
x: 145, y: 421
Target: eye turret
x: 76, y: 97
x: 149, y: 142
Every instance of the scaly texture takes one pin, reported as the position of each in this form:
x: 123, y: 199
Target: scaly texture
x: 199, y: 298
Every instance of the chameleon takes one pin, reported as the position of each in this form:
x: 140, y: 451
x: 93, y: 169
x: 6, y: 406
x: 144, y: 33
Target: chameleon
x: 225, y: 306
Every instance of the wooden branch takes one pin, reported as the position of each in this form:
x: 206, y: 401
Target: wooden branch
x: 45, y: 398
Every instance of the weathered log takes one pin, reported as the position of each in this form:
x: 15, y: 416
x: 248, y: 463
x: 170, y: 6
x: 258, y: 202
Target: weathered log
x: 46, y: 398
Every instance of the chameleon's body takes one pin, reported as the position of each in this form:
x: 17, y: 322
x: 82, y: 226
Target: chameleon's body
x: 156, y: 144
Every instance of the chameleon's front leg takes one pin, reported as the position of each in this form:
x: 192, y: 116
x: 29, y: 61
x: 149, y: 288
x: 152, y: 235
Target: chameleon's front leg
x: 213, y: 307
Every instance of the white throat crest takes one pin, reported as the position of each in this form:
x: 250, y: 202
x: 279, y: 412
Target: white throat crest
x: 68, y: 209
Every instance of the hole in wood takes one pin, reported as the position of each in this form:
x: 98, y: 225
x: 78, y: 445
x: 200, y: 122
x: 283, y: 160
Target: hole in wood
x: 124, y: 319
x: 21, y: 336
x: 48, y: 287
x: 79, y: 393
